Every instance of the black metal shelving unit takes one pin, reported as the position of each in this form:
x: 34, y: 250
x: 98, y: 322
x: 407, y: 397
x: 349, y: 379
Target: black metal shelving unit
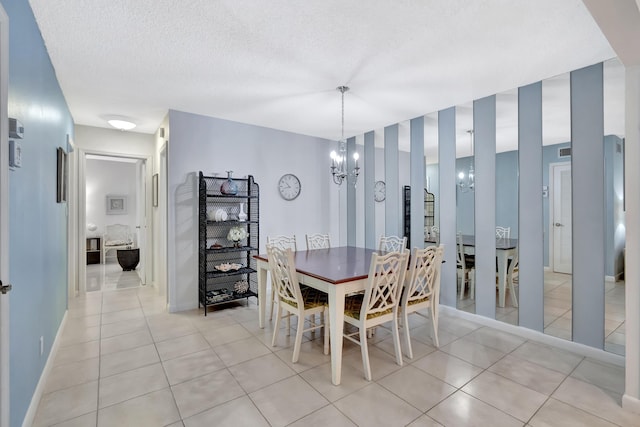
x: 219, y: 287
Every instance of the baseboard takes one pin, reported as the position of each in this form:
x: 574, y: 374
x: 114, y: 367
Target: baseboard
x: 546, y: 268
x: 606, y: 278
x: 574, y: 347
x: 30, y: 416
x: 631, y: 403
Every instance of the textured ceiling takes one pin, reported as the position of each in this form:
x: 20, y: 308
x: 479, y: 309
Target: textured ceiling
x: 277, y: 63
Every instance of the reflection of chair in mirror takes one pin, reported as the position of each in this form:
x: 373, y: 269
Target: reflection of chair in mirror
x: 435, y: 233
x: 465, y: 264
x: 512, y: 277
x: 503, y: 232
x: 318, y: 241
x: 116, y: 236
x: 392, y: 244
x: 422, y: 291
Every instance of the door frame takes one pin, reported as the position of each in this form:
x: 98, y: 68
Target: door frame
x: 81, y: 159
x: 4, y: 217
x: 552, y: 190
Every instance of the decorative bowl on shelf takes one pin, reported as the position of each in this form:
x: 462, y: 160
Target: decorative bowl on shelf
x: 228, y: 267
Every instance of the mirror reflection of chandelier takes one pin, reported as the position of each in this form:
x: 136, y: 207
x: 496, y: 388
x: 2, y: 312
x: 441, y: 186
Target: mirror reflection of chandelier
x: 339, y: 159
x: 467, y: 183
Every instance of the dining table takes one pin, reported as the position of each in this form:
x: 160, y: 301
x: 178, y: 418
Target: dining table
x: 338, y: 271
x: 505, y: 249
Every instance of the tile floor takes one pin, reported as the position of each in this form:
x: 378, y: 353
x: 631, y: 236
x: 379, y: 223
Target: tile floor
x: 557, y: 310
x: 124, y: 361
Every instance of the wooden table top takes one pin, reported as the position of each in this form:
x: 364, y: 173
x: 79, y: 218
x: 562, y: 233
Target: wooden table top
x: 334, y: 265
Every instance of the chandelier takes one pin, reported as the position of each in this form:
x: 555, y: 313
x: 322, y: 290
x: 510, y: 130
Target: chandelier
x: 468, y: 184
x: 339, y: 159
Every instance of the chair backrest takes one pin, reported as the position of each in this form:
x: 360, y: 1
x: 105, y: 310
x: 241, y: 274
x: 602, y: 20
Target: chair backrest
x: 384, y: 284
x: 283, y: 242
x: 424, y: 275
x: 318, y: 241
x: 392, y: 244
x: 503, y: 232
x: 283, y: 275
x: 460, y: 263
x: 117, y: 232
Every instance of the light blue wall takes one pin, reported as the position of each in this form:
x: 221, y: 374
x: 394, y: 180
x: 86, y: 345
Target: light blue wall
x: 37, y: 240
x: 211, y: 145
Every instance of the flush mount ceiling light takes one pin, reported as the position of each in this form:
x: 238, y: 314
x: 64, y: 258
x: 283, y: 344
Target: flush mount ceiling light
x: 121, y: 124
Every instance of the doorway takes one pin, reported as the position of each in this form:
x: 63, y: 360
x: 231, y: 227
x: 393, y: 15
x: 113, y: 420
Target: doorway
x: 560, y: 221
x: 114, y: 217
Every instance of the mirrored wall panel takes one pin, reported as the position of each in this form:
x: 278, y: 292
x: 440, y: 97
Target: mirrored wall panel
x: 557, y: 216
x: 465, y: 208
x: 432, y: 185
x: 614, y: 111
x: 507, y: 206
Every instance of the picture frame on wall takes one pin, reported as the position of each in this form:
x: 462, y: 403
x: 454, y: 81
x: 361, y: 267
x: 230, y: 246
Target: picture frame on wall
x: 116, y: 204
x: 154, y: 190
x: 61, y: 175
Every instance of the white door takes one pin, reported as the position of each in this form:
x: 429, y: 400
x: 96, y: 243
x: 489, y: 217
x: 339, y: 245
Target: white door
x: 561, y: 218
x: 4, y: 219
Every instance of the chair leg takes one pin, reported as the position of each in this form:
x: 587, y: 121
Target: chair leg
x: 276, y: 326
x: 325, y: 315
x: 407, y: 336
x: 298, y: 342
x: 273, y: 302
x: 463, y: 279
x: 396, y: 340
x: 434, y: 324
x: 472, y: 284
x: 512, y: 291
x: 365, y: 353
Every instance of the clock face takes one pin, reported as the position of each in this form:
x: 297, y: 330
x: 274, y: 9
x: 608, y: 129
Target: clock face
x: 289, y: 186
x: 379, y: 191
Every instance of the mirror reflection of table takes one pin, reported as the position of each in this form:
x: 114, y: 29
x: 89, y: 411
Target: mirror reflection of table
x: 337, y: 271
x: 505, y: 249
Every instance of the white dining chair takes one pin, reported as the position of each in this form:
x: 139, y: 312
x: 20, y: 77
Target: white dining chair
x: 283, y: 242
x: 392, y: 244
x: 293, y: 299
x: 503, y: 232
x: 465, y: 265
x: 379, y: 304
x: 318, y: 241
x: 422, y: 291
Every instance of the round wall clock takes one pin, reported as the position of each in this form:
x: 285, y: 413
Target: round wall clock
x: 289, y: 186
x: 379, y: 191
